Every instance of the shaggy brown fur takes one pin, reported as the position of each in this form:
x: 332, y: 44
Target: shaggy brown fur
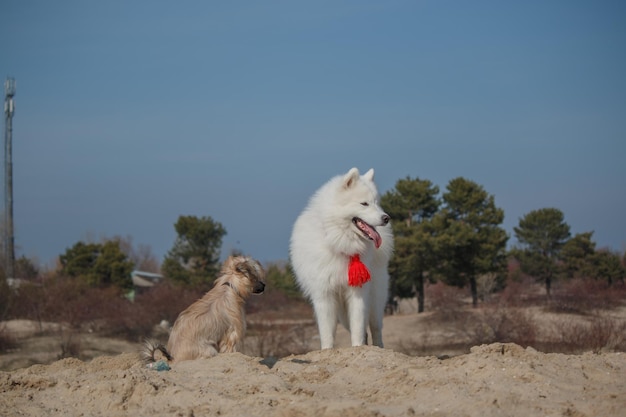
x: 215, y: 323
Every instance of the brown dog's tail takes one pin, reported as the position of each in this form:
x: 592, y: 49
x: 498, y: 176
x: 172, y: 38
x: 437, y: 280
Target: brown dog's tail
x: 150, y: 348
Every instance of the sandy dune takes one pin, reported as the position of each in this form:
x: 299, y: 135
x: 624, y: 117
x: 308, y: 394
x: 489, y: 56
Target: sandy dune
x: 492, y: 380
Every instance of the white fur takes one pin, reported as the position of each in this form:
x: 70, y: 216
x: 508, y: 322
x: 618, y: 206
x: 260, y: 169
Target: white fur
x: 323, y: 239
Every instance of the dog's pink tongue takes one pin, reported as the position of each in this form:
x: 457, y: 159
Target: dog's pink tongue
x: 373, y: 234
x: 377, y: 239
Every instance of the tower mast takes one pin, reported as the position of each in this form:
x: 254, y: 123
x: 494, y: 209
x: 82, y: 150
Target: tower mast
x: 9, y: 109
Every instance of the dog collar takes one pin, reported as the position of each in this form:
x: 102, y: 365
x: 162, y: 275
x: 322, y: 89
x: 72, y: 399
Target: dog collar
x: 358, y: 274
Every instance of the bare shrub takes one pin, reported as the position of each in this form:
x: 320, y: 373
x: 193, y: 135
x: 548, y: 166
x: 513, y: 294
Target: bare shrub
x: 585, y: 296
x: 505, y: 325
x: 446, y: 301
x: 276, y: 339
x: 106, y: 310
x: 415, y: 347
x: 600, y: 332
x: 486, y: 285
x: 136, y: 320
x: 7, y: 342
x: 519, y: 292
x: 27, y: 302
x: 276, y: 304
x: 284, y: 328
x: 70, y: 344
x: 278, y: 324
x: 68, y: 301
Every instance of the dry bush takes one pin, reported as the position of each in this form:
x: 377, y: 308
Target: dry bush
x: 446, y: 301
x: 585, y: 296
x: 67, y: 301
x: 7, y: 342
x: 274, y: 304
x: 420, y: 346
x: 276, y: 339
x: 270, y: 301
x: 503, y: 318
x: 137, y: 320
x: 504, y: 325
x: 27, y: 302
x: 520, y: 292
x: 486, y: 284
x: 166, y: 301
x: 278, y: 324
x: 70, y: 344
x: 105, y: 310
x: 77, y: 306
x: 597, y: 333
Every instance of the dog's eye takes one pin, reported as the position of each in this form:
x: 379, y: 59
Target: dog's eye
x: 365, y: 204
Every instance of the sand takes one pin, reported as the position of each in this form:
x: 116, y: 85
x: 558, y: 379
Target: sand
x: 492, y: 380
x: 486, y: 380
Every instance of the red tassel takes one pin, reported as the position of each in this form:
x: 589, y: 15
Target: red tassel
x: 358, y: 274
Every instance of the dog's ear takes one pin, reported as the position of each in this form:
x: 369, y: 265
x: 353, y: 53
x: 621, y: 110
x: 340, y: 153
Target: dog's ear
x: 351, y: 178
x: 369, y: 175
x: 248, y: 267
x: 228, y: 264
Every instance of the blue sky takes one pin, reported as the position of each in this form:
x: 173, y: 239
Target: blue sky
x: 132, y: 113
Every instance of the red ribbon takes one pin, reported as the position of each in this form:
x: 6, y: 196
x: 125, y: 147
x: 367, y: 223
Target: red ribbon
x: 358, y: 274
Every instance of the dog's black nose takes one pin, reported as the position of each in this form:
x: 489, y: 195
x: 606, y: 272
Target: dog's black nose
x: 385, y: 219
x: 259, y: 287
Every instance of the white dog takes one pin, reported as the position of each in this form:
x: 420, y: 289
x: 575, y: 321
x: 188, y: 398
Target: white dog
x: 340, y: 248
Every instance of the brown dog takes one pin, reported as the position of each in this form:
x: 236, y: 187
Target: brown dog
x: 215, y: 323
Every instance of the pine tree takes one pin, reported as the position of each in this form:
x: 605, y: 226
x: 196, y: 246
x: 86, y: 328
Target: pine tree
x: 469, y: 236
x: 194, y: 258
x: 541, y: 235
